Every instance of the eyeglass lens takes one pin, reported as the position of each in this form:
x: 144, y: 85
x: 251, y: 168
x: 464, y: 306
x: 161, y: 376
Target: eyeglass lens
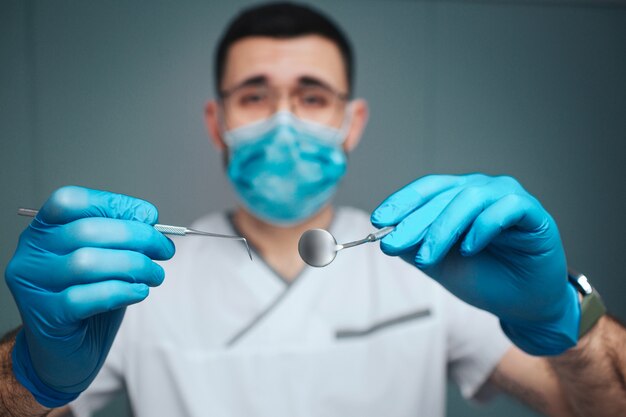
x: 251, y: 103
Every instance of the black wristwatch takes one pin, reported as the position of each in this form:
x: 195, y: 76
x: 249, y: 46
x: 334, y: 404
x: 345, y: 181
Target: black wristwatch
x: 591, y: 307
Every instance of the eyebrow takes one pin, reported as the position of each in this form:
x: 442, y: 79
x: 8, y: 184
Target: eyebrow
x: 260, y: 80
x: 308, y: 81
x: 255, y: 80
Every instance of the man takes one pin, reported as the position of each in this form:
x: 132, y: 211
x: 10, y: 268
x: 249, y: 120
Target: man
x: 368, y: 335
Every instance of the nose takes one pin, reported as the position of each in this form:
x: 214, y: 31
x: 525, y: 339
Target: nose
x: 283, y: 103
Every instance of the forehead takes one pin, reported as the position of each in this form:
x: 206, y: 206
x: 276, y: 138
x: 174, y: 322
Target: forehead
x: 284, y: 61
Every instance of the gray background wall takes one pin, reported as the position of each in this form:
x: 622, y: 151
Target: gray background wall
x: 110, y: 95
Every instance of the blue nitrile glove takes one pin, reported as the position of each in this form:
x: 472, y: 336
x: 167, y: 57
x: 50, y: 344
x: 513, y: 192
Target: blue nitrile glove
x: 509, y: 259
x: 82, y: 260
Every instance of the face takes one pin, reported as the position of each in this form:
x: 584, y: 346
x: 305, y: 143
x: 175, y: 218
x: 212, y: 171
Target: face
x: 305, y: 75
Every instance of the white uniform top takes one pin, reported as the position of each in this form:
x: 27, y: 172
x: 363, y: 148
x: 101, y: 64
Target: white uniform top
x: 368, y: 335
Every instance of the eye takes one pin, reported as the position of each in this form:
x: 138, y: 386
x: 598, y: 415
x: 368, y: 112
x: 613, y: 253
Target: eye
x: 252, y: 99
x: 314, y: 99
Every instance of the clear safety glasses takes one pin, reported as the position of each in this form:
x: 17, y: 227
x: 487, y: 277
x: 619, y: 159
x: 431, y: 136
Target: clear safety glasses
x: 251, y: 103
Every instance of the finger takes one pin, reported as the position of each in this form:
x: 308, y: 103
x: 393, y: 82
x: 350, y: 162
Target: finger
x: 83, y: 301
x: 454, y: 220
x: 410, y: 231
x: 522, y: 211
x: 111, y: 234
x: 410, y: 197
x: 90, y: 265
x: 71, y: 203
x: 403, y: 202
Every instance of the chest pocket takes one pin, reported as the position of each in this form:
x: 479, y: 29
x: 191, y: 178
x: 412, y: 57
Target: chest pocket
x: 406, y: 319
x: 395, y: 367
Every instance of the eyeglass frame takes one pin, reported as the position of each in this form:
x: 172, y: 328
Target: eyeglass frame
x: 261, y: 81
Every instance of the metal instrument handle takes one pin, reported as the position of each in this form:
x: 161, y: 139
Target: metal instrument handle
x: 171, y: 230
x: 381, y: 233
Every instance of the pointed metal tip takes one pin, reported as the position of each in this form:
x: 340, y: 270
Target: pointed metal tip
x: 245, y: 241
x: 28, y: 212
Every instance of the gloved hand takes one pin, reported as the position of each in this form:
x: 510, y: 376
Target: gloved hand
x: 493, y: 245
x: 83, y: 259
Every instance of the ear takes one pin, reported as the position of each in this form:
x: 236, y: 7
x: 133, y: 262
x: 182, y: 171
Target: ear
x: 358, y: 121
x: 212, y: 122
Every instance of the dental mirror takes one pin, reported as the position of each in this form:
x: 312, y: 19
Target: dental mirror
x: 318, y: 248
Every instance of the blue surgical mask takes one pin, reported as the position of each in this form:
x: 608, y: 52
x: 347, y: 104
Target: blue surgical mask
x: 285, y: 169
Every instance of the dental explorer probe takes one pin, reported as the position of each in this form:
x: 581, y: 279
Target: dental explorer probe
x: 163, y: 228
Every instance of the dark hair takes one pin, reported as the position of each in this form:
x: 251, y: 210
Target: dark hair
x: 281, y: 20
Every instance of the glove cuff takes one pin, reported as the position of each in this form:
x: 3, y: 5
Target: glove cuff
x: 25, y: 373
x: 548, y: 339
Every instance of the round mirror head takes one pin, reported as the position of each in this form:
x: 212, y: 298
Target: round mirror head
x: 317, y: 247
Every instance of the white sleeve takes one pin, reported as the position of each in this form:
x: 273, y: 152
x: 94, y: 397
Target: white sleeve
x: 108, y: 383
x: 476, y: 344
